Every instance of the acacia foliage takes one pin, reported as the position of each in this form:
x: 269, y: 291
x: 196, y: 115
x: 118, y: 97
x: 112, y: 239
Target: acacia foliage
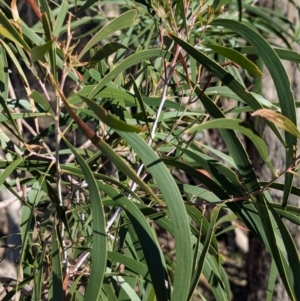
x: 130, y: 87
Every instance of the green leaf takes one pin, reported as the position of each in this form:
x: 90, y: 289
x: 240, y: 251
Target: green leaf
x: 270, y: 20
x: 132, y: 60
x: 284, y: 54
x: 132, y: 264
x: 57, y: 276
x: 141, y: 103
x: 39, y: 51
x: 153, y: 256
x: 8, y: 31
x: 106, y: 51
x: 272, y: 281
x: 202, y: 258
x: 281, y: 83
x: 169, y: 189
x: 98, y: 252
x: 48, y: 33
x: 48, y: 14
x: 236, y: 57
x: 123, y: 21
x: 10, y: 169
x: 205, y: 180
x: 238, y: 125
x: 222, y: 175
x: 16, y: 116
x: 63, y: 9
x: 39, y: 99
x: 16, y: 63
x: 3, y: 74
x: 108, y: 118
x: 270, y: 223
x: 87, y: 4
x: 291, y: 253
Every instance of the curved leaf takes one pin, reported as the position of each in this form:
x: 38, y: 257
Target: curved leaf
x: 123, y: 21
x: 128, y: 62
x: 108, y: 118
x: 237, y: 125
x: 281, y: 83
x: 99, y: 235
x: 236, y: 57
x: 176, y: 209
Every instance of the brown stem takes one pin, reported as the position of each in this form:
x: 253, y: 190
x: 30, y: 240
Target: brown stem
x: 35, y: 8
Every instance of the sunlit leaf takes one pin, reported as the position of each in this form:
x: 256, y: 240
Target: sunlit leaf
x: 278, y: 119
x: 236, y: 57
x: 38, y: 52
x: 123, y: 21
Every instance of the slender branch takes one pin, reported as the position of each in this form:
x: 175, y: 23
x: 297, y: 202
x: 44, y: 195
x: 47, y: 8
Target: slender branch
x: 35, y: 8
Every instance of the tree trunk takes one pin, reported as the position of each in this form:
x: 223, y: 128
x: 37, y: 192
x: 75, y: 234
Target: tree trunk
x: 259, y: 260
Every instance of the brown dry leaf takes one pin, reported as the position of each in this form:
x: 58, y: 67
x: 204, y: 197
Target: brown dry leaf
x: 279, y: 120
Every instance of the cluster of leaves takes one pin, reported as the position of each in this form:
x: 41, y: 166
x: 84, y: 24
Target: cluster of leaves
x: 131, y: 97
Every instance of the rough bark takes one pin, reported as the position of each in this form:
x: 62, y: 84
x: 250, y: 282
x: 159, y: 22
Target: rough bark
x: 259, y: 260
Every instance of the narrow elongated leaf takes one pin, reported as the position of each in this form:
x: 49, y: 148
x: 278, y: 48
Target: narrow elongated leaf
x: 176, y: 209
x: 39, y: 99
x: 236, y: 57
x: 238, y: 125
x: 87, y: 4
x: 3, y: 74
x: 284, y: 54
x: 270, y: 227
x: 48, y: 12
x: 108, y: 290
x: 8, y: 31
x: 219, y: 154
x: 99, y: 236
x: 38, y: 277
x: 10, y: 169
x: 47, y: 25
x: 292, y: 254
x: 281, y: 83
x: 272, y: 22
x: 278, y: 119
x: 128, y: 62
x: 224, y: 176
x: 126, y: 169
x: 123, y: 21
x: 16, y: 116
x: 206, y: 245
x: 141, y: 103
x: 57, y: 277
x: 106, y: 51
x: 204, y: 179
x: 153, y: 257
x: 38, y: 52
x: 16, y: 63
x: 8, y: 115
x: 272, y: 281
x: 108, y: 118
x: 132, y: 264
x: 60, y: 18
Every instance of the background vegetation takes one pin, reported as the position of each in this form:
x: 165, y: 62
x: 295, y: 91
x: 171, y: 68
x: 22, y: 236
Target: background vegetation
x: 121, y: 130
